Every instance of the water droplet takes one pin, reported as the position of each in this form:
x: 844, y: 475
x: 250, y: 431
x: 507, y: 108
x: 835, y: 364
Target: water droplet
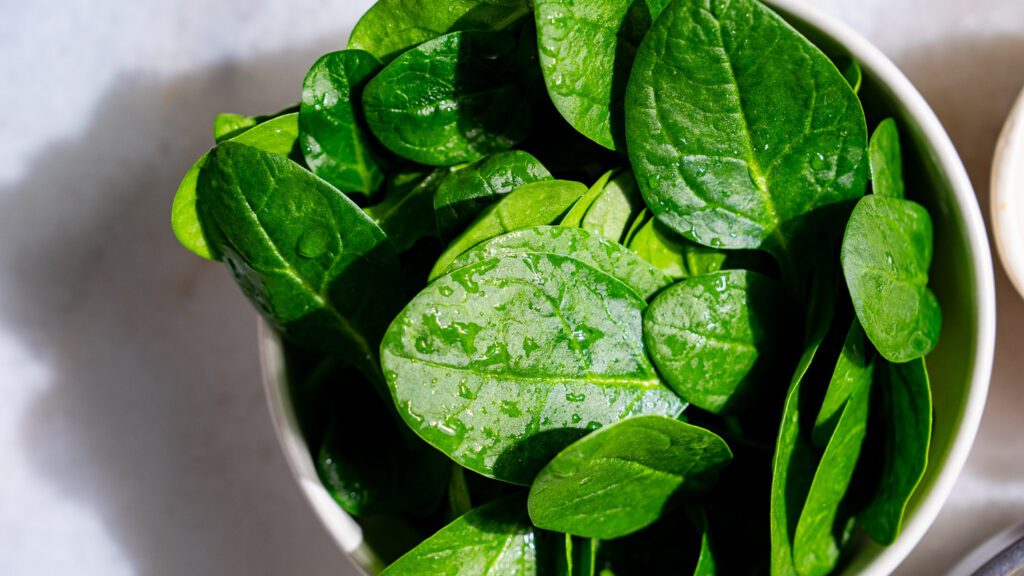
x: 445, y: 290
x: 314, y: 242
x: 818, y: 161
x: 576, y: 418
x: 465, y: 391
x: 423, y: 345
x: 575, y: 396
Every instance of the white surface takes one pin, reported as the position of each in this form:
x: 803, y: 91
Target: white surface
x: 1008, y: 195
x: 133, y: 433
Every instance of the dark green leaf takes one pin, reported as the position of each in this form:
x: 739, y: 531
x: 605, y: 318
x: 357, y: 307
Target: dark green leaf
x: 406, y: 212
x: 886, y: 160
x: 907, y: 426
x: 449, y: 100
x: 850, y: 70
x: 622, y: 477
x: 853, y: 372
x: 465, y: 193
x: 315, y: 282
x: 614, y: 208
x: 706, y: 560
x: 534, y: 204
x: 336, y: 145
x: 391, y: 27
x: 504, y: 363
x: 672, y: 254
x: 586, y: 52
x: 276, y: 136
x: 609, y: 257
x: 887, y: 250
x: 715, y: 338
x: 495, y: 539
x: 739, y: 128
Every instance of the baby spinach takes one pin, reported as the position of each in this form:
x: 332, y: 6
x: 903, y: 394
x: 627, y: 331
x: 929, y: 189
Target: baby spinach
x: 672, y: 254
x: 503, y: 363
x: 621, y: 478
x: 466, y: 192
x: 586, y: 52
x: 609, y: 257
x: 714, y: 338
x: 449, y: 100
x: 886, y: 160
x: 853, y: 372
x: 533, y: 204
x: 227, y: 126
x: 391, y: 27
x: 495, y: 539
x: 408, y: 196
x: 886, y: 253
x: 574, y: 217
x: 739, y: 129
x: 276, y: 136
x: 612, y: 211
x: 906, y: 417
x: 336, y: 145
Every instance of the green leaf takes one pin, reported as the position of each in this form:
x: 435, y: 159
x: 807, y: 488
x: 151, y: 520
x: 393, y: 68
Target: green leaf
x: 465, y: 193
x: 816, y: 546
x: 586, y: 53
x: 887, y: 250
x: 850, y: 70
x: 740, y: 129
x: 715, y: 338
x: 574, y: 217
x: 906, y: 416
x: 533, y: 204
x: 391, y: 27
x: 276, y: 136
x: 227, y: 126
x: 405, y: 212
x: 612, y: 211
x: 329, y: 284
x: 335, y: 143
x: 496, y: 538
x: 609, y: 257
x: 622, y: 477
x: 450, y: 100
x: 504, y: 363
x: 853, y: 372
x: 706, y: 560
x: 672, y: 254
x: 886, y: 160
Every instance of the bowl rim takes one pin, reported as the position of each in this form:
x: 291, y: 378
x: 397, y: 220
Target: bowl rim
x: 347, y: 532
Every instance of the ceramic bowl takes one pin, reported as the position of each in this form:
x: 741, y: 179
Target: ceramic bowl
x: 961, y: 274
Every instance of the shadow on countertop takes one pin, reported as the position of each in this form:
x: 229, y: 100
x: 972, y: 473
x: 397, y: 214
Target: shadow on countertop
x: 155, y: 417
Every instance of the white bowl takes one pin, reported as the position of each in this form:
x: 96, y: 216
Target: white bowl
x: 961, y: 276
x: 1007, y: 196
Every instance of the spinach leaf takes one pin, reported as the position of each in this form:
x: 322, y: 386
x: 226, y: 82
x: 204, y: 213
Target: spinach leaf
x: 574, y: 217
x: 276, y: 136
x: 496, y: 538
x: 227, y: 126
x: 404, y: 213
x: 621, y: 478
x: 669, y: 546
x: 815, y: 545
x: 853, y: 372
x: 850, y: 70
x: 614, y: 208
x: 672, y: 254
x: 503, y: 363
x: 715, y: 338
x: 449, y: 100
x: 586, y: 52
x: 739, y: 129
x: 706, y: 565
x: 887, y: 249
x: 609, y: 257
x: 315, y: 282
x: 886, y: 160
x: 391, y: 27
x: 465, y: 193
x: 335, y: 143
x: 533, y: 204
x: 906, y: 416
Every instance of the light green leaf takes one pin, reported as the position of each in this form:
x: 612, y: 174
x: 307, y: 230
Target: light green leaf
x: 886, y: 160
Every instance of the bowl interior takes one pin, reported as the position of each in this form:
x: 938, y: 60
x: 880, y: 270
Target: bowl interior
x: 961, y: 278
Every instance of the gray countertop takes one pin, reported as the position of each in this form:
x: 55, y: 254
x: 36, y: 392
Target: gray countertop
x: 134, y: 437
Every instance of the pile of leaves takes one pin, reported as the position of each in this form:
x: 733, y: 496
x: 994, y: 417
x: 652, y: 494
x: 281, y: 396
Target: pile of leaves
x: 616, y: 287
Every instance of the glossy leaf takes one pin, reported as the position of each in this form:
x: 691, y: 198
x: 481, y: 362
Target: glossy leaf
x: 586, y: 52
x: 406, y: 212
x: 467, y: 192
x: 714, y: 338
x: 450, y: 100
x: 673, y: 254
x: 621, y: 478
x: 614, y: 208
x: 853, y: 372
x: 886, y: 160
x: 609, y: 257
x: 334, y: 140
x: 276, y: 136
x: 391, y: 27
x: 574, y: 217
x: 740, y: 129
x: 534, y: 204
x: 227, y: 126
x: 313, y: 282
x: 887, y: 250
x: 493, y: 540
x: 504, y: 363
x: 906, y: 417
